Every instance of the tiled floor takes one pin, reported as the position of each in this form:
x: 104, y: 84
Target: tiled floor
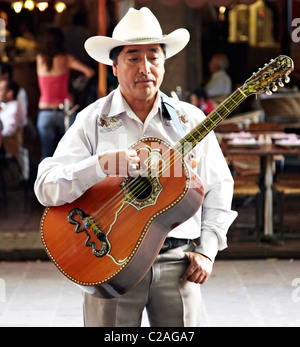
x: 263, y: 293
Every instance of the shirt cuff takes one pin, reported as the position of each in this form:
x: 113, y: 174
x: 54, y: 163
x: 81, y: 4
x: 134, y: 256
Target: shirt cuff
x: 208, y: 245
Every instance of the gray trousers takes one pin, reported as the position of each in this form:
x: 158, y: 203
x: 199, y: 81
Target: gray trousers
x: 169, y: 301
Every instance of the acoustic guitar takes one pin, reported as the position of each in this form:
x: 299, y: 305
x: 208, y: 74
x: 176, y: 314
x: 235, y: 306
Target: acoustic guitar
x: 107, y: 240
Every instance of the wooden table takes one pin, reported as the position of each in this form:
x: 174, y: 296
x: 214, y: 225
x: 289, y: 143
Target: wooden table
x: 267, y: 152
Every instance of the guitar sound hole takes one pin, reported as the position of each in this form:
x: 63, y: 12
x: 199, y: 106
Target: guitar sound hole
x: 140, y: 187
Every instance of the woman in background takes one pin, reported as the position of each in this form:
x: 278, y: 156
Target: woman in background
x: 54, y: 66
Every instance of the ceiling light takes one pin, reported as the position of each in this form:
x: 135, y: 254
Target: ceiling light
x: 17, y: 6
x: 60, y: 6
x: 29, y: 5
x: 42, y: 6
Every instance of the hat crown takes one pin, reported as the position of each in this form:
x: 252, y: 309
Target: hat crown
x: 138, y: 25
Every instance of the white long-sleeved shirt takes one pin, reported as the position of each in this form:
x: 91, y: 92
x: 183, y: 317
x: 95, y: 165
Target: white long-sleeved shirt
x: 110, y: 124
x: 12, y: 117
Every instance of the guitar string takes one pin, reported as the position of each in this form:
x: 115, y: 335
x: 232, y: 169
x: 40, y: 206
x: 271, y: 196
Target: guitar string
x: 191, y: 134
x: 138, y: 187
x: 240, y: 97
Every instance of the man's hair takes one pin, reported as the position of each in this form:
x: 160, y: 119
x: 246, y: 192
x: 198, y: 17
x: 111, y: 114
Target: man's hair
x: 222, y: 61
x: 114, y: 53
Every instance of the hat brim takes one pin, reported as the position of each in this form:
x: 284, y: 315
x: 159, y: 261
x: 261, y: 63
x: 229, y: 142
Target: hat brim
x: 99, y: 47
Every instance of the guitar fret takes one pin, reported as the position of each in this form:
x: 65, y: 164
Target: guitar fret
x: 233, y: 100
x: 219, y: 115
x: 211, y: 121
x: 240, y: 90
x: 226, y: 108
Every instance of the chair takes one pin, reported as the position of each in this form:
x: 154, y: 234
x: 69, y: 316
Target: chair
x: 282, y: 108
x: 246, y: 175
x: 285, y: 185
x: 246, y: 189
x: 239, y: 122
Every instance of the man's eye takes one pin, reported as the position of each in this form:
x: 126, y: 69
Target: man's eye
x: 155, y: 59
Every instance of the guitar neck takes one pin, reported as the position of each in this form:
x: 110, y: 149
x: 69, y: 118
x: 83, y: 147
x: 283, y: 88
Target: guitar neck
x: 187, y: 143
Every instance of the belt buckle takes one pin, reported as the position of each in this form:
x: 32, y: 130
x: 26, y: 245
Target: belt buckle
x: 171, y: 243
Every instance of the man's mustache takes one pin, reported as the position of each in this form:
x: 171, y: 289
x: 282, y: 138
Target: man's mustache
x: 144, y: 77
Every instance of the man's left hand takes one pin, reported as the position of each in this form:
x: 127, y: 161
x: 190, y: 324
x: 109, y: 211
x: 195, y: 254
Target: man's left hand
x: 199, y: 269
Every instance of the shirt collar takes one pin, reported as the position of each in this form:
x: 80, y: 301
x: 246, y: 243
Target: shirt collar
x: 119, y: 106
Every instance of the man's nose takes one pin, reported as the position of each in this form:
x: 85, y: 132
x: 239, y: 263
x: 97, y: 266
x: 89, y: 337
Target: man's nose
x: 145, y: 66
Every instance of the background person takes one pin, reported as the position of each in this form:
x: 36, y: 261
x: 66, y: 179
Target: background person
x: 53, y: 70
x: 200, y: 99
x: 11, y: 116
x: 6, y: 73
x: 219, y: 82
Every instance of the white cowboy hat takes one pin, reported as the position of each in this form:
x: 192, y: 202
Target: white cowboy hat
x: 136, y: 27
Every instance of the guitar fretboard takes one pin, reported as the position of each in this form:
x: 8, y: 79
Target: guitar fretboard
x: 187, y: 143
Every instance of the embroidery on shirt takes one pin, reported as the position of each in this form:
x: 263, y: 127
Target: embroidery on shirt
x: 183, y: 119
x: 108, y: 124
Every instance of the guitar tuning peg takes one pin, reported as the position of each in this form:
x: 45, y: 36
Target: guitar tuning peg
x: 268, y: 91
x: 274, y: 87
x: 286, y: 79
x: 280, y: 83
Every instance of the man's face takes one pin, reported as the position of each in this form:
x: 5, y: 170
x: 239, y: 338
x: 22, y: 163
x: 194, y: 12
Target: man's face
x: 140, y: 71
x: 213, y: 65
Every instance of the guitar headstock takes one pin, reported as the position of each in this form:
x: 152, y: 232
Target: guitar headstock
x: 267, y: 78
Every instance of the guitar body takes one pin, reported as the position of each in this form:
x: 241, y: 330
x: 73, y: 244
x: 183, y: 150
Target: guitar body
x: 107, y: 240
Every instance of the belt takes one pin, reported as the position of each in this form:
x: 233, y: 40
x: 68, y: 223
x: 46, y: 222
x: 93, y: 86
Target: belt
x: 171, y: 242
x: 52, y: 109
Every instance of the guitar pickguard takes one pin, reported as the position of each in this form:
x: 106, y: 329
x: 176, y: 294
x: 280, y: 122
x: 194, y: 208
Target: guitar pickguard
x: 89, y: 222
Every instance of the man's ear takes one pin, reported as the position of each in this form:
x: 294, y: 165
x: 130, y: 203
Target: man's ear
x: 115, y: 68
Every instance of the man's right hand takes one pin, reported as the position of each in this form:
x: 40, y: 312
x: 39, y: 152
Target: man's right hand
x: 120, y: 163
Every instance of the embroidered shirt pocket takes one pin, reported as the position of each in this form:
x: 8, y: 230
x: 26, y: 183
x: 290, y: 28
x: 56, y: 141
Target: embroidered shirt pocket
x: 109, y: 124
